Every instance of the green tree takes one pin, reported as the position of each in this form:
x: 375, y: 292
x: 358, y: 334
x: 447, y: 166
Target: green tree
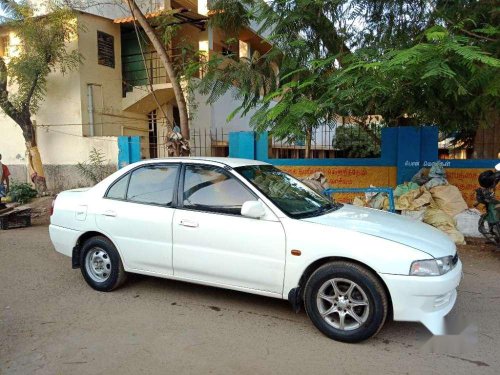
x: 23, y: 78
x: 160, y: 32
x: 352, y: 141
x: 413, y: 62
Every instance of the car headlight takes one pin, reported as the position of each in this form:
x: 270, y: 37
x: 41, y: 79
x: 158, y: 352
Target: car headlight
x: 432, y: 267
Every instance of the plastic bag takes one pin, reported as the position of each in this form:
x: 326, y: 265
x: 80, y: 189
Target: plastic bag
x: 467, y: 222
x: 316, y: 181
x: 370, y: 194
x: 414, y: 200
x: 436, y: 181
x: 314, y: 185
x: 405, y: 188
x: 378, y: 201
x: 437, y: 170
x: 449, y: 199
x: 441, y: 220
x: 417, y: 215
x: 358, y: 202
x: 420, y: 177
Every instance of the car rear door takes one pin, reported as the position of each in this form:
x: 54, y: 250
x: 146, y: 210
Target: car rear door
x: 214, y: 244
x: 136, y: 213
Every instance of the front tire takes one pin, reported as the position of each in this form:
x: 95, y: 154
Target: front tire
x: 346, y: 302
x: 101, y: 265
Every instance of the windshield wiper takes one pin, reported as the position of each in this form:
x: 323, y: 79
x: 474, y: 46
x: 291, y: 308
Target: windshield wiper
x: 321, y: 210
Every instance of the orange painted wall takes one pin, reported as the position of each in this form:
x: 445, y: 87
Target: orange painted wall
x: 348, y: 177
x: 466, y: 181
x: 359, y: 177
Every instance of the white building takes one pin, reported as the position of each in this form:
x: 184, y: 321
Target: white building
x: 110, y: 94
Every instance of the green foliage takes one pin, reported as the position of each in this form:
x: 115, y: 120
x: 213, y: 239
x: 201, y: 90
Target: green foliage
x: 42, y: 50
x: 352, y: 141
x: 21, y: 192
x: 94, y: 169
x: 229, y: 16
x: 415, y: 62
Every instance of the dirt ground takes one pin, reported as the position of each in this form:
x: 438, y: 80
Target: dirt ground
x: 51, y: 322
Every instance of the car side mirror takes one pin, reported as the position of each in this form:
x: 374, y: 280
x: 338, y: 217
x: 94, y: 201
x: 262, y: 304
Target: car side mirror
x: 253, y: 209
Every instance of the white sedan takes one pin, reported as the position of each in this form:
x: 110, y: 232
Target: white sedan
x: 246, y: 225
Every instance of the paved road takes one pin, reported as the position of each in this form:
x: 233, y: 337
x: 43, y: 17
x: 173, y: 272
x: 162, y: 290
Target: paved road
x: 52, y: 323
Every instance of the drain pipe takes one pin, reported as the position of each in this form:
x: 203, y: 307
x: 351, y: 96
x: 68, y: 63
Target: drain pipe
x: 90, y: 108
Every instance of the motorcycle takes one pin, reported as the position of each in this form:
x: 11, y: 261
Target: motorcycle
x: 489, y: 222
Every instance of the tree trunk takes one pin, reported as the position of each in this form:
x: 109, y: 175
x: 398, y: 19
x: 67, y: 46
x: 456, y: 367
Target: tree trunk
x: 165, y: 59
x: 487, y: 140
x: 23, y: 119
x: 308, y: 142
x: 35, y: 165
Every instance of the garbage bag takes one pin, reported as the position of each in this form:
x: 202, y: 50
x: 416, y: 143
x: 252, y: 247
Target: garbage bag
x: 402, y: 189
x: 441, y: 220
x: 449, y: 199
x: 378, y: 201
x: 370, y: 194
x: 437, y: 170
x: 467, y: 222
x: 314, y: 185
x: 421, y: 177
x: 436, y: 181
x: 316, y: 181
x: 417, y: 215
x: 358, y: 202
x: 414, y: 200
x: 436, y: 176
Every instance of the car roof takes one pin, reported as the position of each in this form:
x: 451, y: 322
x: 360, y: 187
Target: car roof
x: 231, y: 162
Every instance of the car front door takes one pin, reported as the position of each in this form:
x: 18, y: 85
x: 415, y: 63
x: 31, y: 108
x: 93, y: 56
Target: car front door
x: 136, y: 213
x: 214, y: 244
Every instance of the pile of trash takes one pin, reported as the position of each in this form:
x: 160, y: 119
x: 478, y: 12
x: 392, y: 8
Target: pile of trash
x: 428, y: 197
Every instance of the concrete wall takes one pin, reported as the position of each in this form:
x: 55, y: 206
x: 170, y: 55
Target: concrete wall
x: 109, y: 118
x: 404, y: 151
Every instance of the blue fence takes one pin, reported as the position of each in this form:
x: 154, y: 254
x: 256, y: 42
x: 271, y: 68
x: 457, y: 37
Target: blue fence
x: 407, y: 148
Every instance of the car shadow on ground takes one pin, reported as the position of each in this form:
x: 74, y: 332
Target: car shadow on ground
x: 186, y: 294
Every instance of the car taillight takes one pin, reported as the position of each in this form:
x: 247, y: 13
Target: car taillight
x: 52, y: 206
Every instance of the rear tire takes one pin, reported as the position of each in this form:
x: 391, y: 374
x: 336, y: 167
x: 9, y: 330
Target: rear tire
x: 346, y: 302
x: 101, y: 265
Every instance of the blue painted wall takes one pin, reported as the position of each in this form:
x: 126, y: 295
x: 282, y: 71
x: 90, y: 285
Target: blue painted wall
x: 407, y: 148
x: 129, y: 150
x: 242, y: 145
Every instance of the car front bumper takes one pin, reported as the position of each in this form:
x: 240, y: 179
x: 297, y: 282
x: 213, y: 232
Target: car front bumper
x: 425, y: 299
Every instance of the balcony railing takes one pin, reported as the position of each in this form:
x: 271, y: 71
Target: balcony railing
x: 149, y: 70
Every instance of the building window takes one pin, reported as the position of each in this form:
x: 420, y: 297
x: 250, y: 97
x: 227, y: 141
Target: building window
x: 105, y: 49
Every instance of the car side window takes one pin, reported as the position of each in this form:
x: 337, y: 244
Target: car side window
x: 212, y: 189
x: 119, y: 188
x: 153, y: 184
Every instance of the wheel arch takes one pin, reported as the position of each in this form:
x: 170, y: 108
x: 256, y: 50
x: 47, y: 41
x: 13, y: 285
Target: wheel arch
x: 322, y: 261
x: 75, y: 258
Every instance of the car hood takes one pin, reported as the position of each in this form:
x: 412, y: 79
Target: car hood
x: 390, y: 226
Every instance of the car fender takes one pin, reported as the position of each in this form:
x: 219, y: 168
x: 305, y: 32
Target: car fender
x: 315, y: 242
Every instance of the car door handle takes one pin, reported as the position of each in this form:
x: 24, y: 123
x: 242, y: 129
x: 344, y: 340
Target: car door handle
x: 188, y: 223
x: 109, y: 213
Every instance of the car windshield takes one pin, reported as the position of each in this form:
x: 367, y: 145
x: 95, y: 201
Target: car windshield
x: 289, y: 194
